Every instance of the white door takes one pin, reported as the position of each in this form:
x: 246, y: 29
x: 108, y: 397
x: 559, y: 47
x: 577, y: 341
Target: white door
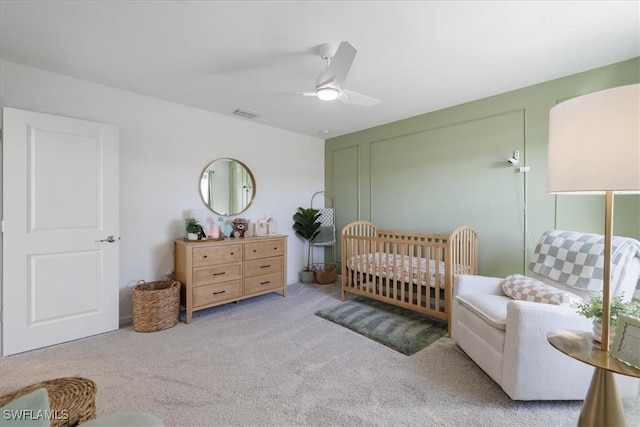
x: 60, y: 197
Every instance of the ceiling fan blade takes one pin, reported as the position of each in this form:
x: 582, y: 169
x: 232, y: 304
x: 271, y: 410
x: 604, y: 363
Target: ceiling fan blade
x: 340, y: 64
x: 349, y: 97
x: 306, y: 93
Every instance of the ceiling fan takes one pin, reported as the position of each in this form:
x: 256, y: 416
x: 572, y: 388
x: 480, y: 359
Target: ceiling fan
x: 329, y: 85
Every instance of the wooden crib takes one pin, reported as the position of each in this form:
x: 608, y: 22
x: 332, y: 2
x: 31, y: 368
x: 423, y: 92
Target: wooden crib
x: 410, y: 270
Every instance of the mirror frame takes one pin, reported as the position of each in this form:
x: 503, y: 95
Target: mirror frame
x: 251, y: 177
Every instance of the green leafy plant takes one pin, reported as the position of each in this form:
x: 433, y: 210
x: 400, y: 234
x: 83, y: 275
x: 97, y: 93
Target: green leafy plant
x: 307, y: 227
x: 592, y: 309
x: 194, y: 227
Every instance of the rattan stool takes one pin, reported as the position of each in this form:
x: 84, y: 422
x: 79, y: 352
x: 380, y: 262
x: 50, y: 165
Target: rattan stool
x: 73, y: 398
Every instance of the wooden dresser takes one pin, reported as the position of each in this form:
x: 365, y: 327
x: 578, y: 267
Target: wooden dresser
x: 214, y: 272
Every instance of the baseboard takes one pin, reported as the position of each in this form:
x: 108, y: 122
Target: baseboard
x: 126, y: 320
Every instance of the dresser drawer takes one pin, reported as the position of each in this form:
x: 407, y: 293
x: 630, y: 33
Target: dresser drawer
x: 257, y: 267
x: 211, y: 294
x: 255, y: 250
x: 217, y: 274
x: 211, y: 255
x: 263, y: 283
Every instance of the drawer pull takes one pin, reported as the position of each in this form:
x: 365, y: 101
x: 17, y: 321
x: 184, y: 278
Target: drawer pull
x: 265, y: 283
x: 204, y: 256
x: 265, y: 266
x: 255, y: 251
x: 219, y: 292
x: 232, y: 253
x: 219, y: 274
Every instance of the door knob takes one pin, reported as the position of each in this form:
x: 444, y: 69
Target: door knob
x: 110, y: 239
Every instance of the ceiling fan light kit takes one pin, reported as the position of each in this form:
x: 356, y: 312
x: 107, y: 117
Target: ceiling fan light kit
x: 327, y: 93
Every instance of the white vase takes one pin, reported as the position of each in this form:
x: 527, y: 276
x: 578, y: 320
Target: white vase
x: 192, y: 236
x: 597, y: 331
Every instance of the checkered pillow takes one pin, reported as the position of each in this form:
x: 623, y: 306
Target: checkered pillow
x: 525, y: 288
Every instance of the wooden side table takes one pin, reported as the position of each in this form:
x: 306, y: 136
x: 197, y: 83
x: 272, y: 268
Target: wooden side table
x: 602, y: 405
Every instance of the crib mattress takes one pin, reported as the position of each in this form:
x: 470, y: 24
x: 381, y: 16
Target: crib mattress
x: 399, y: 267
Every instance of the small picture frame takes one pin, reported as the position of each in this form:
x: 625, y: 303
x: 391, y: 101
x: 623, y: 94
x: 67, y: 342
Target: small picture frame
x: 626, y: 343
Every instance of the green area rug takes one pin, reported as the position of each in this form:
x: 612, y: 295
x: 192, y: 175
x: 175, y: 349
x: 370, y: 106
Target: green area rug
x: 402, y: 330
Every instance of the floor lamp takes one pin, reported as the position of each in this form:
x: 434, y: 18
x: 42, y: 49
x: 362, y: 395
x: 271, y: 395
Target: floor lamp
x: 594, y: 148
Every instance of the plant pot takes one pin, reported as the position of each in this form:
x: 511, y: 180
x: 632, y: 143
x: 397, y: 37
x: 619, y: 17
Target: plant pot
x: 597, y: 331
x: 192, y: 236
x: 307, y: 276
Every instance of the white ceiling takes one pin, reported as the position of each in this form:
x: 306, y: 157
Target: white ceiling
x: 415, y: 56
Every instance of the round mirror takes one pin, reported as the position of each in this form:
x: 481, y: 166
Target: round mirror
x: 227, y: 187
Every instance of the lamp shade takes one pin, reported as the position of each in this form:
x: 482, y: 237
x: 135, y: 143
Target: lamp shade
x: 594, y: 143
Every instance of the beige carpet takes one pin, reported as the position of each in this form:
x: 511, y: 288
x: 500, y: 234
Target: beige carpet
x: 270, y: 361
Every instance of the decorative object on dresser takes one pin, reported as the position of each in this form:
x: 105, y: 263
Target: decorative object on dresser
x: 218, y: 272
x: 240, y: 226
x: 227, y: 230
x: 194, y: 230
x: 410, y: 270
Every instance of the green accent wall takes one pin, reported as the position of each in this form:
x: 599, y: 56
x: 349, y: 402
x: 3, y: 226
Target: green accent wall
x: 434, y: 172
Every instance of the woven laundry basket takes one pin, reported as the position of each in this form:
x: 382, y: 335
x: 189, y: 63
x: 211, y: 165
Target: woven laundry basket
x: 327, y: 275
x: 156, y: 305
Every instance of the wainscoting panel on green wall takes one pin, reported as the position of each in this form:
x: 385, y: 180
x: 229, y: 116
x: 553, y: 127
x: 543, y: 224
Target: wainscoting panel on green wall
x: 439, y: 179
x: 345, y: 171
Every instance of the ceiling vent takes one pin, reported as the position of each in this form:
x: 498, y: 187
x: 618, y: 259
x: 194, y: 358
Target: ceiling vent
x: 246, y: 113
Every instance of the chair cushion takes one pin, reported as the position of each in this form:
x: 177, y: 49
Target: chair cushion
x: 491, y: 308
x: 526, y: 288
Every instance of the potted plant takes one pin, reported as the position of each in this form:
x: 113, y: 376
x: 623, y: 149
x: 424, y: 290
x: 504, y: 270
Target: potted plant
x: 194, y: 230
x: 592, y: 309
x: 307, y: 227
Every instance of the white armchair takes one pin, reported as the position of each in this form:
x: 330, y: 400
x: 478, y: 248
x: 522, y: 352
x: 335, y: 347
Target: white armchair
x: 507, y: 337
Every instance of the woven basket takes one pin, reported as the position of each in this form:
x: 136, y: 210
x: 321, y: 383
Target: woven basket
x: 156, y: 305
x: 327, y: 275
x: 72, y: 400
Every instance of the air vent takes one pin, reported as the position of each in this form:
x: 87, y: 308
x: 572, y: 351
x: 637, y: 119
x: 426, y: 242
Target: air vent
x: 246, y: 113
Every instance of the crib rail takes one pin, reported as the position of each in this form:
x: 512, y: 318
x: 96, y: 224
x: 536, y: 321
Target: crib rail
x: 360, y: 228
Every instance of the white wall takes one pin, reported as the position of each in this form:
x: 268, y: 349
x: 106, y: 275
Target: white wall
x: 164, y: 147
